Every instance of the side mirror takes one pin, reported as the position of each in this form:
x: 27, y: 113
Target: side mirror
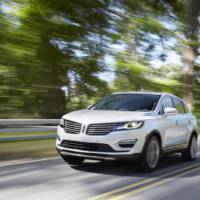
x: 90, y: 106
x: 170, y: 111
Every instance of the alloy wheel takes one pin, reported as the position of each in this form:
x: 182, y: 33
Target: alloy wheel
x: 193, y: 147
x: 153, y: 153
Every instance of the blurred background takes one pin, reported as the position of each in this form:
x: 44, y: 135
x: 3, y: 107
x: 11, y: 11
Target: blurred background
x: 59, y: 56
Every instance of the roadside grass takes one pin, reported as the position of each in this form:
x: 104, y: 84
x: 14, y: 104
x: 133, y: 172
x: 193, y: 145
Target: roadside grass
x: 27, y: 149
x: 33, y: 133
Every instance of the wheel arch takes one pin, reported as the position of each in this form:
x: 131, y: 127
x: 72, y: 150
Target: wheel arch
x: 151, y: 134
x: 194, y: 132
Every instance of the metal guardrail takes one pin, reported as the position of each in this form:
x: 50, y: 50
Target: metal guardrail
x: 27, y: 138
x: 26, y: 122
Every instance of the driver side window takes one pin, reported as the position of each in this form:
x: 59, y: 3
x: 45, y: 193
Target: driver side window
x: 166, y: 102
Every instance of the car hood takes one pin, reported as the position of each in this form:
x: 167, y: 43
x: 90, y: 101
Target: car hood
x: 104, y: 116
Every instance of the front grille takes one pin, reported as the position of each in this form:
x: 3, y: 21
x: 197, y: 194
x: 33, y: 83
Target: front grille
x: 100, y: 129
x: 72, y: 127
x: 86, y: 146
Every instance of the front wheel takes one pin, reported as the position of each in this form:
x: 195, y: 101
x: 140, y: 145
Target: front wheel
x: 190, y: 153
x: 151, y: 154
x: 72, y: 160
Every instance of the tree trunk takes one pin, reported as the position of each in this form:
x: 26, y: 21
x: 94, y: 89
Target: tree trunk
x: 190, y: 52
x: 188, y: 59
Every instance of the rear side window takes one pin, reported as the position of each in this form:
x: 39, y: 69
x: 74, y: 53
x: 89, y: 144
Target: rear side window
x: 166, y: 102
x: 179, y: 106
x: 186, y: 108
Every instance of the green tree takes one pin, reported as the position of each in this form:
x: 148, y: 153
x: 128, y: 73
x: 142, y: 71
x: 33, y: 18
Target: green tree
x: 165, y: 20
x: 140, y: 30
x: 58, y: 44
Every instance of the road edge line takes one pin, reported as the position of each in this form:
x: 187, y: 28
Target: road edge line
x: 28, y: 161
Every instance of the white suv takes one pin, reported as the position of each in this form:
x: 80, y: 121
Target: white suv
x: 127, y: 125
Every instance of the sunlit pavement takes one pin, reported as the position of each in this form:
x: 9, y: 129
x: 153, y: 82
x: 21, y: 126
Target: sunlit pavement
x: 54, y: 179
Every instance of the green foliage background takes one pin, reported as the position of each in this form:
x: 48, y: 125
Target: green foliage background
x: 52, y: 53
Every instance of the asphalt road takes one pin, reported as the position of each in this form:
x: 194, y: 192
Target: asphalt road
x: 53, y: 179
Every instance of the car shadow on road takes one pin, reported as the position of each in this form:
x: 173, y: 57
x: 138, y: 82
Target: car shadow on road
x: 168, y: 163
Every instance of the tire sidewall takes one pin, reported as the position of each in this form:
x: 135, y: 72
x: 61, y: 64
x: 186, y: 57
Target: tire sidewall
x: 190, y: 146
x: 145, y: 154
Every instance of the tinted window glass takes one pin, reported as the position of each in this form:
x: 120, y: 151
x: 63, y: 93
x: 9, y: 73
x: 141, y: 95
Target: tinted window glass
x: 186, y: 108
x: 167, y: 102
x: 128, y: 102
x: 179, y: 106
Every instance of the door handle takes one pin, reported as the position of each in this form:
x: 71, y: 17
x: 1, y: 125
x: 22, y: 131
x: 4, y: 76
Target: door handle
x: 177, y: 122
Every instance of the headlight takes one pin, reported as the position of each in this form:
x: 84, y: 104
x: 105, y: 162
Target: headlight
x: 62, y: 122
x: 130, y: 125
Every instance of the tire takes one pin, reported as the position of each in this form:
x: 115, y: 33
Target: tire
x: 151, y: 154
x: 72, y: 160
x: 190, y: 153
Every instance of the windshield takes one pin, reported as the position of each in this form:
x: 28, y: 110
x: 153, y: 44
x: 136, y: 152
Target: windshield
x: 128, y: 102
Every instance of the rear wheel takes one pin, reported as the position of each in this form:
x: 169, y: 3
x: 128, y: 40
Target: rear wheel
x: 151, y: 154
x: 72, y: 160
x: 190, y: 153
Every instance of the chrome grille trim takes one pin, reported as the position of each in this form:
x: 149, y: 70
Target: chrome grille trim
x: 72, y: 127
x: 100, y: 129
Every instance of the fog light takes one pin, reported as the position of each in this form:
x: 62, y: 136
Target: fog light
x: 58, y: 137
x: 127, y: 143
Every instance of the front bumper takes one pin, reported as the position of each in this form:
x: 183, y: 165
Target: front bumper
x: 112, y: 139
x: 96, y: 155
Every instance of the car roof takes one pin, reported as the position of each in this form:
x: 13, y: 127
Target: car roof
x: 139, y: 92
x: 147, y: 92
